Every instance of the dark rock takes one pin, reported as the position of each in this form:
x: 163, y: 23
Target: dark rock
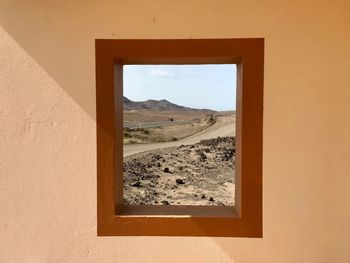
x: 166, y: 170
x: 158, y: 164
x: 203, y: 197
x: 211, y: 199
x: 202, y: 156
x: 207, y: 150
x: 137, y: 184
x: 156, y: 157
x: 228, y: 155
x: 164, y: 202
x: 179, y: 181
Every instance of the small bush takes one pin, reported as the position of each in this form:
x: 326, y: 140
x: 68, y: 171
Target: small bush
x: 127, y: 134
x: 211, y: 119
x: 127, y: 129
x: 144, y: 130
x: 132, y: 141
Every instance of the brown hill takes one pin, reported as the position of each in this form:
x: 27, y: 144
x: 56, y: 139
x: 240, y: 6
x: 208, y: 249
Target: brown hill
x: 157, y: 105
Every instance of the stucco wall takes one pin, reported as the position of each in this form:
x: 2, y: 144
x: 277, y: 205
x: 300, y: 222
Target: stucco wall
x: 48, y: 140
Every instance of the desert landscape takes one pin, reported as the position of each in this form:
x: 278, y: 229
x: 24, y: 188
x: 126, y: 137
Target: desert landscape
x: 176, y: 155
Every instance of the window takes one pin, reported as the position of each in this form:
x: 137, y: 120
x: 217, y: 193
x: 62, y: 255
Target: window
x: 126, y: 209
x: 179, y: 134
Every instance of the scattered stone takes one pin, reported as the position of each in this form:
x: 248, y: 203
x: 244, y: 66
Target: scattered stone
x: 137, y: 184
x: 179, y: 181
x: 228, y: 155
x: 203, y: 156
x: 148, y: 176
x: 207, y: 150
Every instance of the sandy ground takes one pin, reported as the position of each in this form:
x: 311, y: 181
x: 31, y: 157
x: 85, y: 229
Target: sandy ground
x: 195, y: 174
x: 137, y: 116
x: 169, y: 132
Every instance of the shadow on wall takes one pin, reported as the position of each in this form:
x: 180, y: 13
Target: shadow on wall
x: 54, y: 133
x: 60, y: 37
x: 64, y: 60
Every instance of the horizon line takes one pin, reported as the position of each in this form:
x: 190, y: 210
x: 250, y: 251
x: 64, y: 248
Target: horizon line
x: 138, y: 101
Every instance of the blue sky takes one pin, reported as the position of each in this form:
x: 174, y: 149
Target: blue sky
x: 196, y: 86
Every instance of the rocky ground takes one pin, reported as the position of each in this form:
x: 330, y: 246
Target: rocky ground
x: 198, y: 174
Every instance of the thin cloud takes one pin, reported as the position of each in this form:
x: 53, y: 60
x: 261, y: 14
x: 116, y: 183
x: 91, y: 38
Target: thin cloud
x: 160, y: 73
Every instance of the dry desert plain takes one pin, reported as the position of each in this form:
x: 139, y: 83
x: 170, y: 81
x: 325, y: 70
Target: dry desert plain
x: 175, y: 155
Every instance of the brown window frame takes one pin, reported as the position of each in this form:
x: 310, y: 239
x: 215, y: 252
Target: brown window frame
x: 242, y: 220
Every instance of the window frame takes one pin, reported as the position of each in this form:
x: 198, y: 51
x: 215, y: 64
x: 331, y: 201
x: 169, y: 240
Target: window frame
x: 114, y: 219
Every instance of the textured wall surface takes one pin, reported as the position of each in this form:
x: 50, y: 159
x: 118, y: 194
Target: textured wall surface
x: 48, y: 140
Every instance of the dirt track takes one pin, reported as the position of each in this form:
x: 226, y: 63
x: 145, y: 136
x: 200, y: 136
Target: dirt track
x: 224, y: 126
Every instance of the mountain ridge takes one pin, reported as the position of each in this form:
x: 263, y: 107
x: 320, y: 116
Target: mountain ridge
x: 156, y: 105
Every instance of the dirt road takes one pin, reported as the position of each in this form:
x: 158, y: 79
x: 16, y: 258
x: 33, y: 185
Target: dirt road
x: 224, y: 126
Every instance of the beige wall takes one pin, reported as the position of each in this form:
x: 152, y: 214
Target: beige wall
x: 48, y: 143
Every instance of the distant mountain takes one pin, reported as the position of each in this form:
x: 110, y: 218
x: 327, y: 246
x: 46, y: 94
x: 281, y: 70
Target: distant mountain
x: 156, y: 105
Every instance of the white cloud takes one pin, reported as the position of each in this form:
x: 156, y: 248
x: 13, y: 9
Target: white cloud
x: 160, y: 73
